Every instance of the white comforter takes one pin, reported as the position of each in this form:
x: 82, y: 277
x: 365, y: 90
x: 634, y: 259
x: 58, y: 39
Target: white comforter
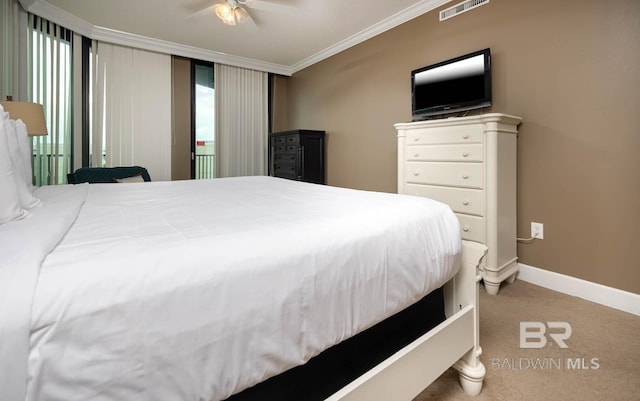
x: 195, y: 290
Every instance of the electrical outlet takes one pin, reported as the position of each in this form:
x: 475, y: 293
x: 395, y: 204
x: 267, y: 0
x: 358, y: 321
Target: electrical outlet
x: 537, y: 230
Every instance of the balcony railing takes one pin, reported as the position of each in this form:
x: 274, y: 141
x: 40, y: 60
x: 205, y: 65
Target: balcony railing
x: 205, y: 166
x: 43, y: 166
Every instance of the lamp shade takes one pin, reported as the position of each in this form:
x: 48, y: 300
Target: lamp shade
x: 31, y: 114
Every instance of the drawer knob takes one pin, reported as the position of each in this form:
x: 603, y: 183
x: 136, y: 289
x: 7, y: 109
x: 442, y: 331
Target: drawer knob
x: 465, y: 136
x: 416, y: 155
x: 465, y: 176
x: 465, y: 202
x: 416, y: 139
x: 415, y: 173
x: 465, y: 229
x: 465, y: 154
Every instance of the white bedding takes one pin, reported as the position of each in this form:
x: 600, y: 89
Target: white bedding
x: 195, y: 290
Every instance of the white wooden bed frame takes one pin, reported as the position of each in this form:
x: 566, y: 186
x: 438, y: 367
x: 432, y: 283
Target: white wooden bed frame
x: 453, y: 343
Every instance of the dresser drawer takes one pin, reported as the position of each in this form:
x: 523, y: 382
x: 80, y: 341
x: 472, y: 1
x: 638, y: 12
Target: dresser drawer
x: 435, y: 136
x: 467, y: 175
x: 471, y: 227
x: 463, y: 152
x: 460, y: 200
x: 285, y: 158
x: 285, y: 170
x: 278, y: 149
x: 285, y: 140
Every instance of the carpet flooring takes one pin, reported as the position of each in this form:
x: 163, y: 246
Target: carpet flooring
x: 602, y: 361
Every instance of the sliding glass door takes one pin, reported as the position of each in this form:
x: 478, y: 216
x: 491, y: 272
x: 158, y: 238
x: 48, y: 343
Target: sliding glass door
x: 203, y: 121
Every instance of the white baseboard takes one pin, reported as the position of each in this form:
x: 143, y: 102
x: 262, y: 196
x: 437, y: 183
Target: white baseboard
x: 598, y: 293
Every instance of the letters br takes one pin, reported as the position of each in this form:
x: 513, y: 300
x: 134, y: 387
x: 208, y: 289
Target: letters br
x: 534, y: 334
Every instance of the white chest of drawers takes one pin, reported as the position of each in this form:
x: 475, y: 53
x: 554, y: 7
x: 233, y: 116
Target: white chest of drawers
x: 468, y: 163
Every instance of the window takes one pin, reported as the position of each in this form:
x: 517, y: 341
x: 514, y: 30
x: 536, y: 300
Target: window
x: 203, y: 146
x: 49, y: 83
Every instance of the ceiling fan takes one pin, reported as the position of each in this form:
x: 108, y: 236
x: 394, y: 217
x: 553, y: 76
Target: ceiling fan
x: 233, y: 12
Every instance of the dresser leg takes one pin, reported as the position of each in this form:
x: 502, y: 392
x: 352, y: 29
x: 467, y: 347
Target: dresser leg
x: 491, y: 288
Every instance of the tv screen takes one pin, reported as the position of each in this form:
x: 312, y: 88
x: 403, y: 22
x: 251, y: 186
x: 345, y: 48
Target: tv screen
x: 462, y: 83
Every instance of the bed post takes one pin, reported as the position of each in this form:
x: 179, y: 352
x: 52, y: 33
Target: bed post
x: 460, y: 292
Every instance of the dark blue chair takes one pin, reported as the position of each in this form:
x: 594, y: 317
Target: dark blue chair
x: 94, y: 175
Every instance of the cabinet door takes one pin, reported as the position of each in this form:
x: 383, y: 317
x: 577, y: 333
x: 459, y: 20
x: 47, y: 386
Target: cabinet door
x: 312, y: 159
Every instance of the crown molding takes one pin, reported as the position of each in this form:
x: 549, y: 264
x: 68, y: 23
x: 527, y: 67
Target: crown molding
x: 82, y: 27
x: 397, y: 19
x: 161, y: 46
x: 58, y: 16
x: 78, y: 25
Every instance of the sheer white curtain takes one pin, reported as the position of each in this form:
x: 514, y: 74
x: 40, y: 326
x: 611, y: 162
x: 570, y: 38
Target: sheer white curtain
x: 131, y: 109
x: 8, y: 47
x: 241, y: 97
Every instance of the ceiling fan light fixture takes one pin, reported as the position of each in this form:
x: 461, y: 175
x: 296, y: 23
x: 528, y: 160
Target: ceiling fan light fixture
x: 241, y: 14
x: 226, y: 13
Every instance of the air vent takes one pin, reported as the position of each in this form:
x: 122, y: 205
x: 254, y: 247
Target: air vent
x: 461, y: 8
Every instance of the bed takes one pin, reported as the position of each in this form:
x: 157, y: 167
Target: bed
x: 198, y: 290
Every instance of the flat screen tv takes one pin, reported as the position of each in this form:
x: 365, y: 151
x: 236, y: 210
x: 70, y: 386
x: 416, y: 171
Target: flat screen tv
x: 451, y: 86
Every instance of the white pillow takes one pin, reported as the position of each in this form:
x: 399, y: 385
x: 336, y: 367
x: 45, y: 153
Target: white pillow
x: 24, y: 143
x: 27, y: 200
x: 135, y: 178
x: 10, y: 208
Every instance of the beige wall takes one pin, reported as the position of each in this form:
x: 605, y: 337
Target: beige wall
x: 279, y: 103
x: 181, y: 133
x: 571, y: 69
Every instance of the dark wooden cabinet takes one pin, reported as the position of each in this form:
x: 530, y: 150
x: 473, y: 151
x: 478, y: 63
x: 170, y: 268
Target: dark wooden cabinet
x: 297, y: 155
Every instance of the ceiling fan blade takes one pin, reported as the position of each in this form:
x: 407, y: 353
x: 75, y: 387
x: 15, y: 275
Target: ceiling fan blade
x: 267, y: 6
x: 206, y: 10
x: 249, y: 24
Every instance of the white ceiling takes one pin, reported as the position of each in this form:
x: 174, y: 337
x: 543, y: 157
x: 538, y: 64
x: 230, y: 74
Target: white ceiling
x: 283, y: 42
